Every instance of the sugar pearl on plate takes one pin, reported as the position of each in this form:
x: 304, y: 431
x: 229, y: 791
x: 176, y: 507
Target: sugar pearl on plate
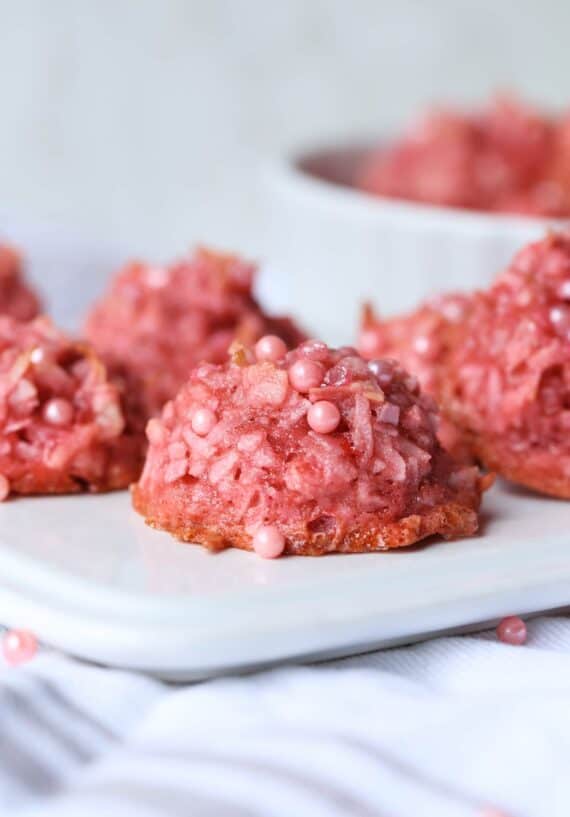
x: 19, y: 646
x: 271, y: 348
x: 58, y: 412
x: 268, y: 542
x: 323, y: 417
x: 203, y: 421
x: 512, y: 630
x: 306, y: 374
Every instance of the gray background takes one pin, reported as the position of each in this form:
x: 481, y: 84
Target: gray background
x: 143, y: 123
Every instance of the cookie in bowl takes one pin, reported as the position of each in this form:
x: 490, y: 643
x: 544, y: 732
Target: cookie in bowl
x: 507, y: 157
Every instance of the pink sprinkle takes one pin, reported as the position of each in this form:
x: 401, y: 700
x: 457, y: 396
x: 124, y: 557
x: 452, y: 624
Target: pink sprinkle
x: 389, y: 413
x: 323, y: 417
x: 19, y: 646
x: 58, y: 412
x: 271, y: 348
x: 512, y: 630
x: 306, y: 374
x: 203, y: 421
x: 368, y: 342
x: 4, y: 488
x: 268, y: 542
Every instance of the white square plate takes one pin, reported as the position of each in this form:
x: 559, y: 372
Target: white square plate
x: 86, y: 575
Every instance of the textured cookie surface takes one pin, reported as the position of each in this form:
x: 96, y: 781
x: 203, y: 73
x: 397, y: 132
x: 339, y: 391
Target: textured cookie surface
x: 157, y: 322
x: 335, y: 453
x: 61, y: 422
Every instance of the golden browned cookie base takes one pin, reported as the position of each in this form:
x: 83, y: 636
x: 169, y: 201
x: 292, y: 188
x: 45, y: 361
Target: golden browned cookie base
x: 520, y: 470
x: 452, y: 520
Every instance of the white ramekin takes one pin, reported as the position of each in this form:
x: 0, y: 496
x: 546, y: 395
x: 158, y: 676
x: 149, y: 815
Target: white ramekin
x: 337, y: 247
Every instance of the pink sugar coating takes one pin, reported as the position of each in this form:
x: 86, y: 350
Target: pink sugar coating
x: 268, y: 542
x: 19, y: 646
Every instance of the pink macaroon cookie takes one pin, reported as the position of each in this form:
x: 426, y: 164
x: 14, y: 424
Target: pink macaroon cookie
x: 310, y: 452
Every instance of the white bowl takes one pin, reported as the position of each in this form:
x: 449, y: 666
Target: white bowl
x: 337, y: 246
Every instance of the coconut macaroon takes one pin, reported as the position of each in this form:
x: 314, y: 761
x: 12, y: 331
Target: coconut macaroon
x: 61, y: 422
x: 17, y: 299
x: 421, y: 341
x: 507, y: 384
x: 305, y: 452
x: 157, y: 322
x: 507, y: 157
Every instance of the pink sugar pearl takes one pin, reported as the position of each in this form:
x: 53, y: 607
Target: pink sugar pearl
x: 270, y: 347
x: 323, y: 417
x: 58, y: 412
x: 368, y: 342
x: 19, y: 646
x: 203, y: 421
x: 268, y: 542
x: 512, y: 630
x: 4, y: 488
x: 306, y: 374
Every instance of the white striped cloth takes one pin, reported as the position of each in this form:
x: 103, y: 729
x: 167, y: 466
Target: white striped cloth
x: 443, y: 728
